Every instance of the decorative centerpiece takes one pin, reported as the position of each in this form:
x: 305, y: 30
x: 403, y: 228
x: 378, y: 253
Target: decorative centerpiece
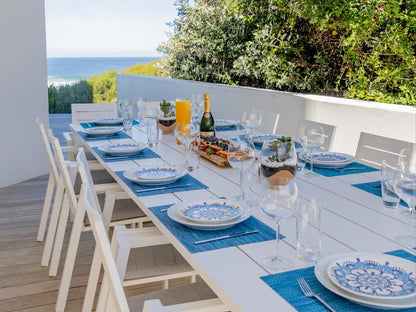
x: 278, y: 159
x: 167, y: 117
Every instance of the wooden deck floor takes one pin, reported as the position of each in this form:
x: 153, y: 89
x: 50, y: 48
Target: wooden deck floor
x: 24, y: 284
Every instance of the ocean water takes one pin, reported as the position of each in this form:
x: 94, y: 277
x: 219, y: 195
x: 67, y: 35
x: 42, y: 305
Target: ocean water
x: 62, y: 70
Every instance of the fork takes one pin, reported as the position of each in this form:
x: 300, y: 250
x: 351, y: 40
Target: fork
x: 307, y: 291
x: 350, y: 168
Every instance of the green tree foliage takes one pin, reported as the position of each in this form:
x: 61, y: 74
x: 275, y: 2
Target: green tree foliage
x: 352, y: 48
x: 104, y: 87
x: 61, y: 97
x: 148, y: 69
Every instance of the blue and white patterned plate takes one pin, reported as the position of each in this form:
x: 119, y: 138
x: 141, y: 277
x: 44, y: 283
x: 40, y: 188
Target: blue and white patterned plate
x: 211, y: 211
x: 157, y: 173
x: 224, y: 123
x: 378, y: 275
x: 108, y: 121
x: 122, y: 149
x: 259, y: 139
x: 133, y: 175
x: 326, y: 164
x: 102, y: 131
x: 175, y: 215
x: 328, y: 157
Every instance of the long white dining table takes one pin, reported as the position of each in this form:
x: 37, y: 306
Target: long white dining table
x: 352, y: 220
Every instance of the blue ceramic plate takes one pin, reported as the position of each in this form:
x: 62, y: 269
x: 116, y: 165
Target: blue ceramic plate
x: 124, y: 149
x: 374, y: 275
x: 224, y: 123
x: 133, y: 175
x: 108, y: 121
x: 102, y: 131
x: 259, y: 139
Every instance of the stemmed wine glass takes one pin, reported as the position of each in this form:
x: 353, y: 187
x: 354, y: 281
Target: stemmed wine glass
x: 279, y: 195
x: 241, y: 155
x: 405, y: 187
x: 251, y: 120
x: 311, y: 138
x: 188, y: 134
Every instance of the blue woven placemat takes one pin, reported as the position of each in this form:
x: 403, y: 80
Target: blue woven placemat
x: 146, y: 153
x: 286, y: 286
x: 188, y: 236
x: 92, y: 124
x: 119, y: 135
x: 369, y: 187
x: 333, y: 172
x: 187, y: 179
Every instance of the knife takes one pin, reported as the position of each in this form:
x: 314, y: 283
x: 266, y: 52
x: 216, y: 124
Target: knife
x: 224, y: 237
x: 162, y: 188
x: 124, y: 157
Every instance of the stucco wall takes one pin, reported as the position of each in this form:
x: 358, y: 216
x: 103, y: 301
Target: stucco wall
x: 351, y: 117
x: 23, y: 89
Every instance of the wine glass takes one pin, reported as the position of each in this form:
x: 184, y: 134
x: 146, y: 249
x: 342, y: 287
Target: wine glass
x: 279, y: 195
x: 251, y: 120
x: 311, y: 138
x: 197, y: 107
x: 188, y: 134
x: 405, y: 187
x: 241, y: 155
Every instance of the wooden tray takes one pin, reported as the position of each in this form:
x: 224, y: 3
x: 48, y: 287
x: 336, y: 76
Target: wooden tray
x: 218, y: 160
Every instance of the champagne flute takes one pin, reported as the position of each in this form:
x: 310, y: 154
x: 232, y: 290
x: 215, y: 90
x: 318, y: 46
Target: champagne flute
x: 311, y: 138
x: 279, y: 195
x: 251, y: 120
x: 405, y: 187
x: 241, y: 155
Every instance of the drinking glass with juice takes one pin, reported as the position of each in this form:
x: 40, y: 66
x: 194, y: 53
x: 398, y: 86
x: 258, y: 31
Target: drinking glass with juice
x: 183, y: 114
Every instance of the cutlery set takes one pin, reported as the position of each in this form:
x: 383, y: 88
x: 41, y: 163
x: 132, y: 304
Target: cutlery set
x: 162, y: 188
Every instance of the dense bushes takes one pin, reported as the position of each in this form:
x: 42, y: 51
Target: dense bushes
x: 353, y: 48
x: 100, y: 88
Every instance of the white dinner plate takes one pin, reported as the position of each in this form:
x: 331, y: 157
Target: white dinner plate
x: 122, y: 149
x: 259, y: 139
x: 108, y: 121
x: 374, y: 276
x: 130, y: 174
x: 176, y: 216
x: 385, y: 304
x: 328, y: 165
x: 211, y: 211
x: 224, y: 123
x: 102, y: 131
x: 158, y: 173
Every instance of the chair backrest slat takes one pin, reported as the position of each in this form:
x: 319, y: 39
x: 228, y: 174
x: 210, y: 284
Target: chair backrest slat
x: 85, y: 112
x: 48, y: 150
x: 329, y: 132
x: 104, y: 249
x: 373, y: 149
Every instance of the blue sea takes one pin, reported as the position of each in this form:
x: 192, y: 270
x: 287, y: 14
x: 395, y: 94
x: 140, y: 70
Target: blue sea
x: 62, y: 70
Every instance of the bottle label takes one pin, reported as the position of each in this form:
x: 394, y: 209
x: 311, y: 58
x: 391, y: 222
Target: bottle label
x: 207, y: 133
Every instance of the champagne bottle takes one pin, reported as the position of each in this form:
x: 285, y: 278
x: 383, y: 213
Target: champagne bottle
x: 207, y: 122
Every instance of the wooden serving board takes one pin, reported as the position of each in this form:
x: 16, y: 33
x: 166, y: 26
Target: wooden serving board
x: 218, y: 160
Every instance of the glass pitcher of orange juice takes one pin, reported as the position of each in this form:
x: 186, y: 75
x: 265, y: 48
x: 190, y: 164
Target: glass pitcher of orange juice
x: 183, y: 113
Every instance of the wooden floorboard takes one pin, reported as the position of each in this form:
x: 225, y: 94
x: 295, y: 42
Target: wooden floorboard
x: 24, y: 284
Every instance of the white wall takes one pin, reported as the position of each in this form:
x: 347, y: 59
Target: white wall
x: 350, y: 116
x: 23, y: 89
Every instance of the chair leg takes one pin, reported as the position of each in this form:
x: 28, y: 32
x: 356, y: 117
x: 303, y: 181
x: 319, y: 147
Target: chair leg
x: 50, y: 236
x: 110, y: 200
x: 92, y: 282
x: 70, y: 259
x: 59, y: 239
x: 46, y: 208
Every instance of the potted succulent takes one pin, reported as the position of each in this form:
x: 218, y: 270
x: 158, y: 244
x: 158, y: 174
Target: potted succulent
x: 167, y: 117
x: 278, y: 159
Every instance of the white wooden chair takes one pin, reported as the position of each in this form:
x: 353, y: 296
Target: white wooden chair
x: 129, y: 242
x: 56, y: 230
x: 269, y: 123
x: 86, y: 112
x: 329, y: 132
x: 111, y: 257
x: 373, y: 149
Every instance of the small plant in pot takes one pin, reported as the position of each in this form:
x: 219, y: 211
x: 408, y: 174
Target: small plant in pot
x: 167, y: 117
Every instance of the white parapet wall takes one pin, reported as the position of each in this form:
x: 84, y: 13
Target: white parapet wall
x: 228, y: 102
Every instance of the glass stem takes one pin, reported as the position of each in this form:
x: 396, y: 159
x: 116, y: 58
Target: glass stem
x: 186, y: 153
x: 243, y: 195
x: 277, y: 245
x: 311, y: 162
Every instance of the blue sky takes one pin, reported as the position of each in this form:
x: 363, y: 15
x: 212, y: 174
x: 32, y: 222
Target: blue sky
x: 107, y: 27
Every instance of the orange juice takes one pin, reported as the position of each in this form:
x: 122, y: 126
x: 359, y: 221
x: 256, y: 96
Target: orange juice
x: 183, y: 114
